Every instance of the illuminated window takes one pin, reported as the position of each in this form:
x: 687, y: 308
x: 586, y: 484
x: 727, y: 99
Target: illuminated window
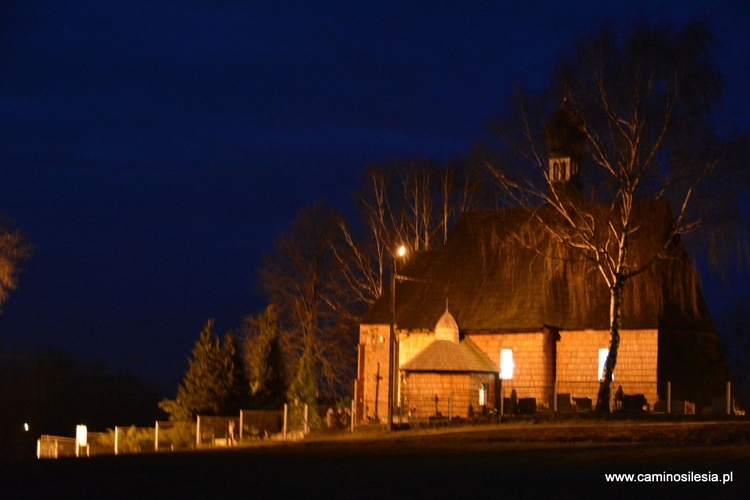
x: 482, y: 395
x: 506, y: 364
x: 603, y: 353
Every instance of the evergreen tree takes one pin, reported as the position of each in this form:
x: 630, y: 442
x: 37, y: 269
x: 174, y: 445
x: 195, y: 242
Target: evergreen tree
x: 214, y: 383
x: 264, y: 360
x: 238, y: 394
x: 304, y: 386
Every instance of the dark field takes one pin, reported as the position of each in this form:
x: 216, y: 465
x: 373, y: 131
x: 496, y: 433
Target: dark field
x: 516, y: 461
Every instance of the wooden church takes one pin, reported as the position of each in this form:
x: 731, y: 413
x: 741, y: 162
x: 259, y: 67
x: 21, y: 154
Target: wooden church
x: 483, y: 319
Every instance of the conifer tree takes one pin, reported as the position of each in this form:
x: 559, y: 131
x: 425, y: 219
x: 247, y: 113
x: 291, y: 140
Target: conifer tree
x: 238, y: 389
x: 264, y: 360
x: 304, y: 386
x: 214, y: 383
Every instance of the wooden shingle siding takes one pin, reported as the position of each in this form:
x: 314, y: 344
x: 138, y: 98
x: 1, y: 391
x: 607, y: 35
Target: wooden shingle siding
x: 637, y: 361
x: 376, y: 356
x: 577, y: 362
x: 412, y: 343
x: 532, y: 374
x: 420, y: 390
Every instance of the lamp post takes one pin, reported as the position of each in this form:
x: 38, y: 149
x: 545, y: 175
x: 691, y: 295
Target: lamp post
x: 393, y: 347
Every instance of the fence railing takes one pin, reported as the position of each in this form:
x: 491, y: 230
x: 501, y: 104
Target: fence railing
x: 133, y: 439
x: 216, y: 430
x: 295, y: 421
x: 261, y: 424
x: 55, y: 447
x: 174, y: 436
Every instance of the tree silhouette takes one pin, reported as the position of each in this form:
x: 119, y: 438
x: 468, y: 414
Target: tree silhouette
x: 214, y: 384
x: 303, y: 282
x: 408, y: 202
x: 264, y: 359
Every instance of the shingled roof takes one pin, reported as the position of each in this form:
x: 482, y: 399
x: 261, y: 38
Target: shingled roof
x: 492, y: 286
x: 447, y: 356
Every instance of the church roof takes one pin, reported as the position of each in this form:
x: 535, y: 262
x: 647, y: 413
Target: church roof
x: 447, y: 356
x: 492, y: 285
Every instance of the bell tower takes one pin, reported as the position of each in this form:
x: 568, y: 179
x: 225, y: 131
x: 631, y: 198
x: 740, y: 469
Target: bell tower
x: 566, y: 135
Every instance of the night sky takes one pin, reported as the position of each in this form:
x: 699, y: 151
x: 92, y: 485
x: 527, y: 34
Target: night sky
x: 152, y: 150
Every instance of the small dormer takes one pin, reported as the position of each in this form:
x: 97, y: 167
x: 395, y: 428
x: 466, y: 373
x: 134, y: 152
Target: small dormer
x: 447, y: 328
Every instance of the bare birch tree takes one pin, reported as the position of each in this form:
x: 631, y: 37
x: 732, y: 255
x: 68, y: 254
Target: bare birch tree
x: 411, y: 203
x: 638, y: 115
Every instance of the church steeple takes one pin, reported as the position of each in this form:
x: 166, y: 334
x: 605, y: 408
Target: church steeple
x: 446, y: 327
x: 566, y: 136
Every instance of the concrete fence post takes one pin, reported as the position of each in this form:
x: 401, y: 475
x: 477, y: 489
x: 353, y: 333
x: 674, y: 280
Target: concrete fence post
x: 242, y: 421
x: 156, y: 436
x: 306, y: 426
x: 198, y: 431
x: 286, y: 415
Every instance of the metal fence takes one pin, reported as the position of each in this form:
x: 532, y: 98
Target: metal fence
x: 174, y: 436
x: 216, y: 431
x: 55, y: 447
x: 292, y: 422
x: 261, y: 424
x: 97, y: 443
x: 304, y: 419
x: 133, y: 439
x: 297, y: 420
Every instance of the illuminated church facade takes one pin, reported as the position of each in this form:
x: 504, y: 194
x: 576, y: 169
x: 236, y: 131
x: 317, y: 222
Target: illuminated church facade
x: 475, y: 322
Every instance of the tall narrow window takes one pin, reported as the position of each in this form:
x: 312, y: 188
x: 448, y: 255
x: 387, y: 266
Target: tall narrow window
x: 506, y: 364
x: 603, y: 353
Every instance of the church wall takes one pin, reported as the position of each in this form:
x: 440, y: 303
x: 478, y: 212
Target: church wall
x: 454, y: 391
x: 636, y: 369
x: 577, y: 360
x: 372, y: 379
x: 532, y: 373
x: 374, y: 340
x: 412, y: 343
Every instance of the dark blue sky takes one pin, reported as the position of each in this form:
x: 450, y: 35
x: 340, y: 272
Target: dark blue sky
x: 152, y: 150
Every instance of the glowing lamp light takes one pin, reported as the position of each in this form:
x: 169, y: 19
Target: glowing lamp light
x: 26, y: 427
x: 401, y: 251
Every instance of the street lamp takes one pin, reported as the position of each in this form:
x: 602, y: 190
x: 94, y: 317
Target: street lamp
x: 393, y: 347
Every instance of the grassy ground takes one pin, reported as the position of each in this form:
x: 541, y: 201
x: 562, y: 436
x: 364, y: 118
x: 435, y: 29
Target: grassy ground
x: 693, y: 433
x: 520, y: 460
